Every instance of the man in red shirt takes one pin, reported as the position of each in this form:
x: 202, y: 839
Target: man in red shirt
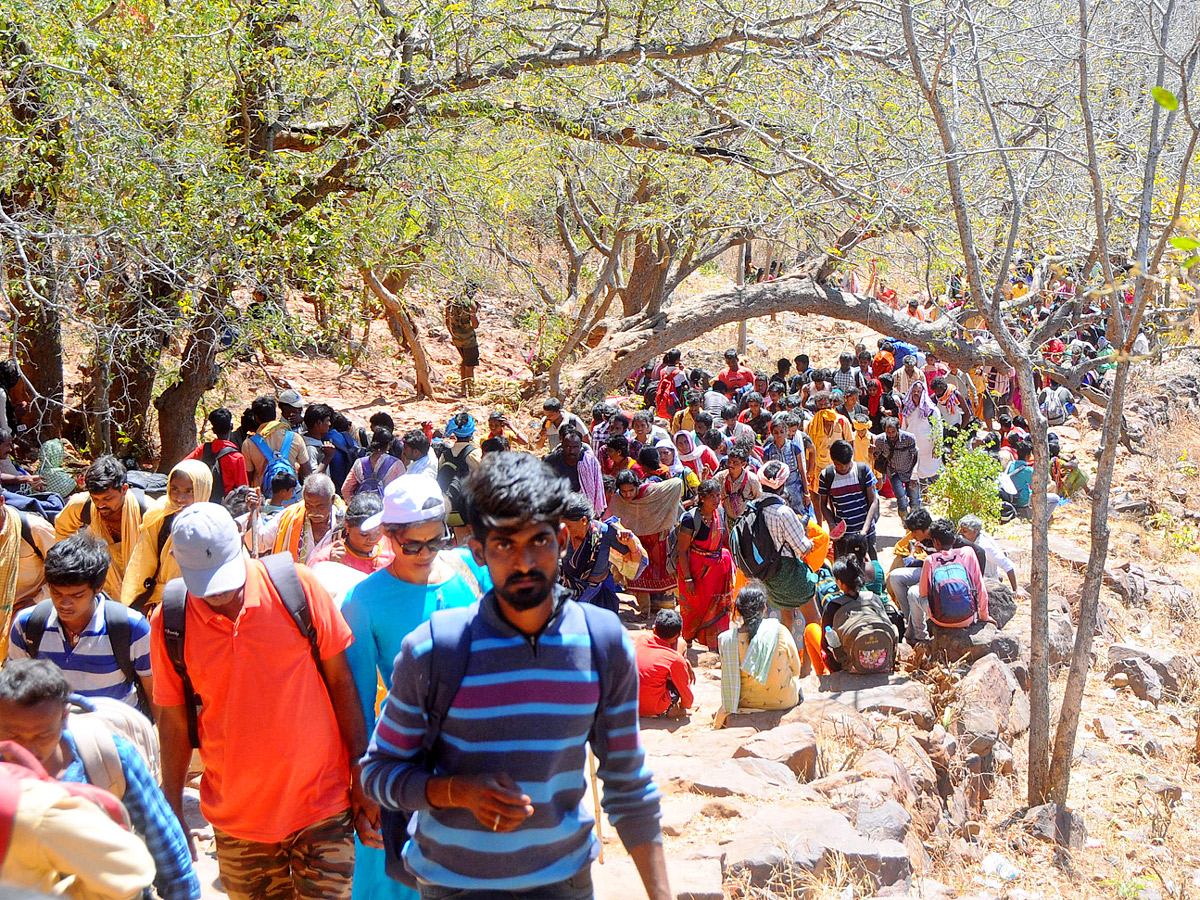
x: 229, y: 466
x: 735, y: 375
x: 664, y: 676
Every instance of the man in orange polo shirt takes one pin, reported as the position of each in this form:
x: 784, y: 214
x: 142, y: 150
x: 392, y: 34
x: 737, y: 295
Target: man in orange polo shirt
x: 280, y: 736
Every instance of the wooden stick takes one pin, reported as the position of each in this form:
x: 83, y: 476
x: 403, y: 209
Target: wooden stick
x: 596, y: 802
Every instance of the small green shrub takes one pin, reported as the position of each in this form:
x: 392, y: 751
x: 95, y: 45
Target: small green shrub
x: 967, y: 483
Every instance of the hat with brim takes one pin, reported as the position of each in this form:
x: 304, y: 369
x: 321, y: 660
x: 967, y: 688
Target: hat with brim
x: 207, y: 547
x: 409, y: 500
x: 291, y: 397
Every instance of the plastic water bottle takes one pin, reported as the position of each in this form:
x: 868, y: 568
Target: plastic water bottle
x: 831, y: 637
x: 999, y: 866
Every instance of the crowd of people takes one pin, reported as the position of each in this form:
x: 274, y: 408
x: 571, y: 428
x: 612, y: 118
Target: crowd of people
x: 386, y: 652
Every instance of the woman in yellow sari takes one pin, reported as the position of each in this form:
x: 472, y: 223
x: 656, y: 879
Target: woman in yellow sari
x: 151, y: 566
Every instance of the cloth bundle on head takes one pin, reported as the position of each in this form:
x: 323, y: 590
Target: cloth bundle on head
x: 591, y: 477
x: 56, y: 478
x: 780, y: 478
x: 654, y: 510
x: 461, y: 427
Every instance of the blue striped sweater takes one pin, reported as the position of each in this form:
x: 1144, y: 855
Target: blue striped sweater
x: 525, y: 708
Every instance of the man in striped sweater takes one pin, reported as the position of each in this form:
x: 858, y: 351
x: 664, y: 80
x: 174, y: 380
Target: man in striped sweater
x: 501, y: 807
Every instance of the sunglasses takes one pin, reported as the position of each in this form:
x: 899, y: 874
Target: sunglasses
x: 414, y: 548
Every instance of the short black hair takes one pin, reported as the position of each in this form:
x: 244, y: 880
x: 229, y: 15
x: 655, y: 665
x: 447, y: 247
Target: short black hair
x: 671, y: 357
x: 235, y: 501
x: 362, y: 507
x: 720, y: 386
x: 107, y: 473
x: 668, y: 625
x: 754, y: 397
x: 494, y: 445
x: 918, y: 520
x: 316, y: 412
x: 649, y: 459
x: 416, y: 440
x: 264, y: 410
x: 890, y: 422
x: 938, y: 384
x: 80, y: 559
x: 841, y: 452
x: 943, y: 532
x: 283, y: 481
x: 221, y: 420
x: 382, y: 420
x: 618, y: 442
x: 740, y: 453
x: 729, y: 411
x: 28, y: 682
x: 704, y: 418
x: 552, y: 404
x: 513, y: 488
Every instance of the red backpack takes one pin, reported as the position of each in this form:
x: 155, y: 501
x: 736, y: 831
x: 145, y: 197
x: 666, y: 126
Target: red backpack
x: 16, y: 765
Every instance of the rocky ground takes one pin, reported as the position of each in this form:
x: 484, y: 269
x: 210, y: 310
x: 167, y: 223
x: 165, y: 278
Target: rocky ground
x: 913, y: 786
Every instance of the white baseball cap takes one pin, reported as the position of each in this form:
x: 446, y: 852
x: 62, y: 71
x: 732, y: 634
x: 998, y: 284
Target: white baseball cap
x: 207, y: 546
x: 291, y: 397
x: 408, y: 500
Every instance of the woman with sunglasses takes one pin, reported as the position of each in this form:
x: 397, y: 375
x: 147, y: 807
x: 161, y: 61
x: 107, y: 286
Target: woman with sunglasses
x: 426, y: 574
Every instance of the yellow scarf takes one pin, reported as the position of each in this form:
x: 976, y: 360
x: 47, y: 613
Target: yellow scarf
x: 291, y: 530
x: 10, y: 563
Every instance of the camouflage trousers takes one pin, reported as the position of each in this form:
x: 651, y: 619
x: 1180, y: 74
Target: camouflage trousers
x: 315, y: 863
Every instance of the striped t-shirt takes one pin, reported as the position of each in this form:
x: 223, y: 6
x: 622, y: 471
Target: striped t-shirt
x: 848, y: 494
x: 90, y: 666
x: 525, y: 708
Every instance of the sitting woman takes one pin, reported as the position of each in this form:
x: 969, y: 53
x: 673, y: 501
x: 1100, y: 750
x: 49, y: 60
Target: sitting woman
x: 595, y: 548
x: 760, y: 667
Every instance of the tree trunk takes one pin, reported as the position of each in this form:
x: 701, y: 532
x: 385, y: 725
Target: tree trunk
x: 644, y: 337
x: 198, y: 374
x: 408, y: 328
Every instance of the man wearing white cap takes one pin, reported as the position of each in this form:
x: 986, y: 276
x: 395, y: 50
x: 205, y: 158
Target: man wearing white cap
x: 279, y: 733
x: 425, y: 575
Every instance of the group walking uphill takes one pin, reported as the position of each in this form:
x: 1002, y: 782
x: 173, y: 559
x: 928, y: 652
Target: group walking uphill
x: 446, y: 606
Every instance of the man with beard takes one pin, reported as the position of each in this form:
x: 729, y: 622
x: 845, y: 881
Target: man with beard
x: 495, y: 775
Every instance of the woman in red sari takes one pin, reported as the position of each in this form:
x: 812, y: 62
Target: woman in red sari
x: 705, y: 568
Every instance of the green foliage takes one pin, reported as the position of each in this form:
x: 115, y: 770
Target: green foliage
x: 967, y: 484
x: 549, y: 331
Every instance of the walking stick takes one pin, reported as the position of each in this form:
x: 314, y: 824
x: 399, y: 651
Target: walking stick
x: 596, y: 802
x: 254, y: 532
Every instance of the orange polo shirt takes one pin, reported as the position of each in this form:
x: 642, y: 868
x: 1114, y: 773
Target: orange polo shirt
x: 274, y: 757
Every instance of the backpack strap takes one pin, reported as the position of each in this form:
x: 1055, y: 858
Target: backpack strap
x: 85, y: 513
x: 281, y: 569
x: 27, y: 535
x: 368, y: 469
x: 263, y: 447
x: 120, y: 637
x: 388, y: 462
x: 225, y: 451
x: 98, y: 753
x: 285, y: 449
x: 174, y: 619
x: 35, y: 627
x: 148, y: 586
x: 449, y: 656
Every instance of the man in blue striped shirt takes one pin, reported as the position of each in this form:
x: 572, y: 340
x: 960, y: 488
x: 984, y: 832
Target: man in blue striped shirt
x: 501, y: 807
x: 77, y: 636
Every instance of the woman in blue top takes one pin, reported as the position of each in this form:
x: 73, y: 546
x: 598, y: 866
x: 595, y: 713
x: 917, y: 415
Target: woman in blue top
x: 427, y: 574
x: 1020, y: 471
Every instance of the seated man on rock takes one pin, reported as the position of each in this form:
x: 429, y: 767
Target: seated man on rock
x: 664, y: 675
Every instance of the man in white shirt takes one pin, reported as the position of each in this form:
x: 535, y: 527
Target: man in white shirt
x: 970, y: 528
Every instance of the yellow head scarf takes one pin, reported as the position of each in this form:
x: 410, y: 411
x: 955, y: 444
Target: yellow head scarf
x: 198, y: 474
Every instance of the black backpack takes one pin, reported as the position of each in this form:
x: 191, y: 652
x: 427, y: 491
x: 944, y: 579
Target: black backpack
x: 754, y: 549
x: 453, y: 470
x: 213, y: 461
x: 281, y: 570
x: 120, y: 638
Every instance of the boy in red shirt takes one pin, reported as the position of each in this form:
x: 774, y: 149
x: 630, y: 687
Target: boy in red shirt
x: 664, y: 675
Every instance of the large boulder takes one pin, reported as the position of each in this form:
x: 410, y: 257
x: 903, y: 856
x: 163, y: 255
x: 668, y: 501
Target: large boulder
x: 887, y: 821
x: 762, y: 779
x: 991, y: 685
x: 781, y: 844
x: 897, y: 696
x: 971, y: 644
x: 1062, y: 639
x: 832, y: 718
x: 1002, y: 603
x: 794, y: 745
x: 1056, y: 825
x: 1175, y: 670
x: 879, y: 764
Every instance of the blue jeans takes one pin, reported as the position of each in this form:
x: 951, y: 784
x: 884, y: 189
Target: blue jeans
x: 577, y: 887
x: 907, y: 493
